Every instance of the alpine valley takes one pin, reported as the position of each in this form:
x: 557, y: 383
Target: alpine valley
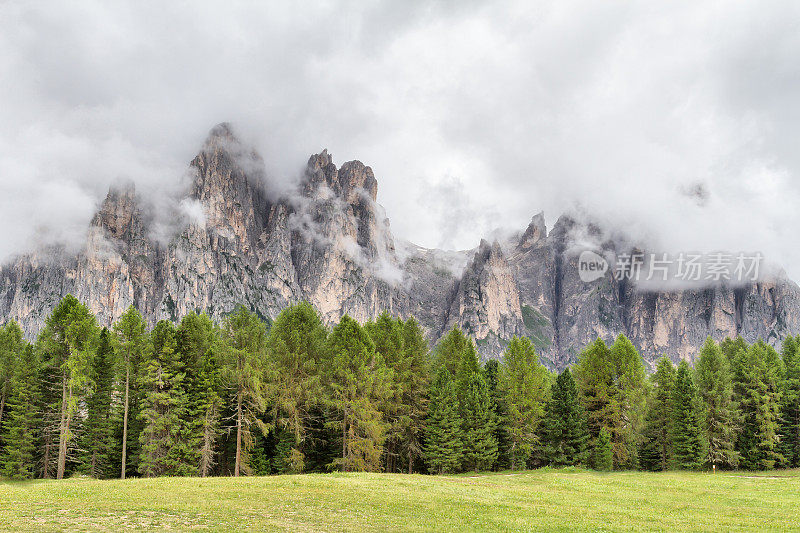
x: 328, y: 242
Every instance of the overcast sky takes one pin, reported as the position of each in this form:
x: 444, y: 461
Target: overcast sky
x: 473, y: 115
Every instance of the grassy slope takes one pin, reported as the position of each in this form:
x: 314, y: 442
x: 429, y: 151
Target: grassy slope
x: 549, y: 499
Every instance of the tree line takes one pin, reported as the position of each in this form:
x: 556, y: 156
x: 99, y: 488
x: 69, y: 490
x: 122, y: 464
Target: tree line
x: 290, y: 396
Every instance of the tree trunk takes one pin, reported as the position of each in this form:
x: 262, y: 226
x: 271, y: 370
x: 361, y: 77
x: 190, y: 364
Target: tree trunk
x: 344, y: 442
x: 125, y: 420
x: 2, y: 406
x: 63, y: 429
x: 238, y: 434
x: 410, y: 463
x: 513, y: 456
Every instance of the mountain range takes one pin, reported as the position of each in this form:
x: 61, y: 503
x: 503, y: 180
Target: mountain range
x: 230, y: 240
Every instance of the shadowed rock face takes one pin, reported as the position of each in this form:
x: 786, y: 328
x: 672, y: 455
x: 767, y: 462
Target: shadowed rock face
x: 330, y: 243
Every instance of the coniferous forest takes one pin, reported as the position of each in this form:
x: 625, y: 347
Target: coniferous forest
x: 247, y: 397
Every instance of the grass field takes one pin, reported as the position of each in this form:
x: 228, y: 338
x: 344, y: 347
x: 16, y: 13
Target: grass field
x: 542, y: 499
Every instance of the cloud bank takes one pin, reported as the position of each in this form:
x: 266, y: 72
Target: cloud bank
x: 677, y: 122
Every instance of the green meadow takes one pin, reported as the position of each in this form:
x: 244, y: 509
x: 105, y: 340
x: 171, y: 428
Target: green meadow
x: 555, y: 500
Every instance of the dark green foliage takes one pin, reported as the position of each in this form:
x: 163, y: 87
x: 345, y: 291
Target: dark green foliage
x: 685, y: 427
x: 480, y: 444
x: 21, y: 427
x: 165, y: 409
x: 656, y: 451
x: 443, y: 430
x: 603, y: 457
x: 757, y: 389
x: 97, y: 439
x: 790, y: 405
x: 715, y: 389
x: 452, y: 351
x: 564, y: 433
x: 491, y: 372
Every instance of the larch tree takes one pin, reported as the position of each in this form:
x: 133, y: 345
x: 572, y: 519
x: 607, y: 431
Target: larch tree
x: 358, y: 381
x: 523, y: 383
x: 130, y: 343
x: 69, y: 338
x: 296, y: 349
x: 11, y: 345
x: 243, y: 357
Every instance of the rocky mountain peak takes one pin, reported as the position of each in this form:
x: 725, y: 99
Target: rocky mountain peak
x: 535, y: 233
x: 119, y: 214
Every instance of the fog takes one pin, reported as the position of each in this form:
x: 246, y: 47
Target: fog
x: 676, y: 122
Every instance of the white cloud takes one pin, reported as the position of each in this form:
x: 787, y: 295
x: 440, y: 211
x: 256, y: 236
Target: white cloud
x: 619, y: 107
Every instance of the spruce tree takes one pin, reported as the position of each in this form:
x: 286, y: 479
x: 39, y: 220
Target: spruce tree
x: 564, y: 432
x: 491, y: 372
x: 165, y: 408
x: 480, y: 444
x: 790, y: 410
x: 11, y: 345
x: 718, y: 417
x: 195, y: 339
x: 22, y: 425
x: 757, y: 372
x: 444, y: 438
x: 523, y: 383
x: 656, y: 450
x: 413, y: 377
x: 685, y: 427
x: 98, y: 428
x: 603, y: 457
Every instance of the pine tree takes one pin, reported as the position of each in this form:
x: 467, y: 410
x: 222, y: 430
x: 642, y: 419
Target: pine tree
x: 757, y: 372
x: 98, y: 428
x: 165, y: 408
x: 685, y: 428
x: 480, y: 444
x: 603, y: 452
x: 656, y: 450
x: 564, y: 431
x: 790, y: 410
x: 243, y: 357
x: 524, y: 387
x: 130, y: 343
x: 715, y: 389
x: 296, y: 353
x: 358, y: 380
x: 443, y: 428
x: 23, y: 419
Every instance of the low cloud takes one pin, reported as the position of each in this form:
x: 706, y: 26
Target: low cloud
x: 675, y: 122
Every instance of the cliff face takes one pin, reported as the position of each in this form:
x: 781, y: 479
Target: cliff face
x: 330, y: 243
